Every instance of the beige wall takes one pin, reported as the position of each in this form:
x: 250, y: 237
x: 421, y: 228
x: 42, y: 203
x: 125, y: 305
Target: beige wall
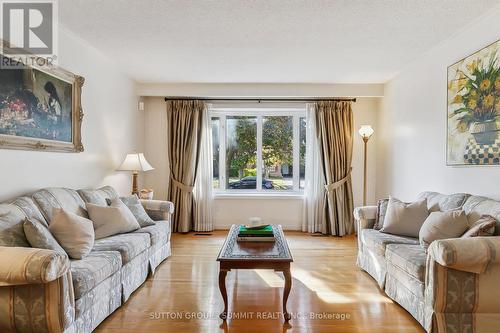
x: 155, y: 146
x: 413, y: 140
x: 286, y: 211
x: 112, y: 127
x: 260, y: 90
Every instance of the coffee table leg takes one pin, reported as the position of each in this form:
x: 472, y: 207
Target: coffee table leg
x: 286, y: 292
x: 223, y: 292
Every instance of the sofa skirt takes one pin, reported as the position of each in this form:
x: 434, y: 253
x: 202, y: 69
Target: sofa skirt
x: 93, y: 307
x: 373, y: 264
x: 157, y: 255
x: 134, y: 273
x: 400, y: 292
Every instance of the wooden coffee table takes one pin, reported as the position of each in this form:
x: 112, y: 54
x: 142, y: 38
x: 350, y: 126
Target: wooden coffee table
x: 255, y: 255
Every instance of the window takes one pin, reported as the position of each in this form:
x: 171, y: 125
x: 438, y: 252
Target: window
x: 259, y: 150
x: 215, y: 149
x: 302, y: 142
x: 277, y: 153
x: 241, y: 153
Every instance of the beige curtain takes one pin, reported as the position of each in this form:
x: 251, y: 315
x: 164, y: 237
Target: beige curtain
x: 203, y: 196
x: 314, y: 189
x: 334, y: 126
x: 184, y: 127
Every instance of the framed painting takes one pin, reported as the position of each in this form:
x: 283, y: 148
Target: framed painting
x: 40, y: 108
x: 473, y: 133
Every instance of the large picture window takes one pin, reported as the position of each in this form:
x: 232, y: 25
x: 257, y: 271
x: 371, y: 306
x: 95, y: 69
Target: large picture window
x: 258, y: 150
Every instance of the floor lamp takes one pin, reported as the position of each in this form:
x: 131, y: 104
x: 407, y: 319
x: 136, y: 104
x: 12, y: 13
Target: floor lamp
x: 366, y: 132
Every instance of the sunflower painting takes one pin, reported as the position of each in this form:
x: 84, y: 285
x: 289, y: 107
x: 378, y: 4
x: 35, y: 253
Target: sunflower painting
x: 474, y: 109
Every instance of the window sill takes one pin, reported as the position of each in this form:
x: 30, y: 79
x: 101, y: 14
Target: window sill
x: 258, y: 195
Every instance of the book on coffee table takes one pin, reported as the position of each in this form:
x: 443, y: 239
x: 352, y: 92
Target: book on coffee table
x: 265, y: 230
x: 264, y: 234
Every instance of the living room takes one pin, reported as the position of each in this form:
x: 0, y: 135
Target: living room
x: 236, y: 166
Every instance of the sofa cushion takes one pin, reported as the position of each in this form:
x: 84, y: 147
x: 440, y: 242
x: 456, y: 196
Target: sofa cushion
x: 112, y: 220
x: 98, y: 196
x: 409, y: 258
x: 442, y: 225
x: 442, y: 202
x: 404, y: 219
x: 129, y: 245
x: 159, y: 232
x: 68, y: 199
x: 485, y: 226
x: 39, y: 236
x: 93, y: 269
x: 400, y: 286
x: 377, y: 241
x: 11, y: 226
x: 381, y: 211
x: 74, y: 233
x: 137, y: 209
x: 30, y: 209
x: 476, y: 206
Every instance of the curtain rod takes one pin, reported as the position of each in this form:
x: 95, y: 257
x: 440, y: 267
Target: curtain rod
x: 259, y: 100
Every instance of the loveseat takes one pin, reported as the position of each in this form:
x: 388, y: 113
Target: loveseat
x: 453, y: 287
x: 44, y: 291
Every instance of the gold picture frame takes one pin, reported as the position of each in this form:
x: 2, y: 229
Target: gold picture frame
x: 54, y: 129
x: 473, y: 109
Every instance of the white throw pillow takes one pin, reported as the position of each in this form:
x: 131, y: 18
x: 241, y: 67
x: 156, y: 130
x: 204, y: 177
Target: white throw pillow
x: 111, y: 220
x: 442, y: 225
x: 74, y: 233
x: 404, y: 219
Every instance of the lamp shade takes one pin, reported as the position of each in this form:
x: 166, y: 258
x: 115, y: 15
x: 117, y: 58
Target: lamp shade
x: 135, y: 162
x: 366, y: 131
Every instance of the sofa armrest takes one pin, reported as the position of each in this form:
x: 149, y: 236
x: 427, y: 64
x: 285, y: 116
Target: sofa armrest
x: 365, y: 217
x: 473, y: 255
x: 461, y: 282
x: 24, y: 265
x: 158, y: 209
x: 36, y: 291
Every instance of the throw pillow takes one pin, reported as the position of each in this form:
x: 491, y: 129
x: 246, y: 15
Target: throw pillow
x: 135, y: 206
x: 39, y: 236
x: 381, y: 211
x: 442, y: 225
x: 485, y: 226
x: 404, y: 219
x: 112, y: 220
x: 98, y: 196
x: 74, y: 233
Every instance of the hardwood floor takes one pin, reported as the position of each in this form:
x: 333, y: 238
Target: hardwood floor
x: 326, y: 282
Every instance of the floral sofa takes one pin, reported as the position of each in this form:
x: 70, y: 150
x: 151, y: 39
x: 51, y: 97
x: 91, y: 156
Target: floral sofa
x: 44, y: 291
x: 452, y: 287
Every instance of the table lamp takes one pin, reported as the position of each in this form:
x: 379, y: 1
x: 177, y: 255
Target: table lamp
x: 366, y: 132
x: 135, y: 162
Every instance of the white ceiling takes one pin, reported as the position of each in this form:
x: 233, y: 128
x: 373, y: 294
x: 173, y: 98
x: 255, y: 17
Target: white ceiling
x: 314, y: 41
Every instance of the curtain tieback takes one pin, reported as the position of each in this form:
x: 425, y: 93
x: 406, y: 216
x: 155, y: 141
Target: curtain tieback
x: 333, y: 186
x: 182, y: 186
